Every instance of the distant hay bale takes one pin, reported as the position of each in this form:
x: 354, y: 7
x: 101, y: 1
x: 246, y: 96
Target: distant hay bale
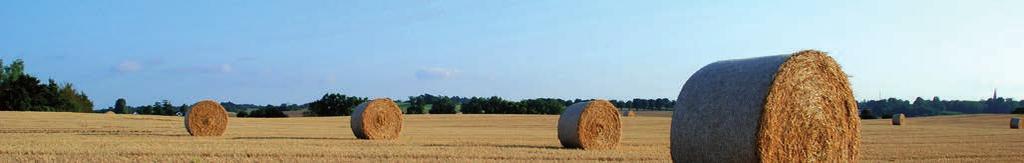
x: 630, y: 113
x: 786, y: 108
x: 590, y: 125
x: 110, y: 112
x: 899, y: 119
x: 377, y: 119
x: 206, y: 118
x: 1015, y: 123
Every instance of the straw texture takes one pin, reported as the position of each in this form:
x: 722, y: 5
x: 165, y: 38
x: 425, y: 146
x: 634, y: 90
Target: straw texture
x: 786, y: 108
x: 206, y: 118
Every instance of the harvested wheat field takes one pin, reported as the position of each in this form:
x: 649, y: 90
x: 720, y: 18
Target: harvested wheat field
x: 79, y: 137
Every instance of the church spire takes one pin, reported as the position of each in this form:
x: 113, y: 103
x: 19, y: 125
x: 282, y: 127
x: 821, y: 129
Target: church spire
x: 995, y: 93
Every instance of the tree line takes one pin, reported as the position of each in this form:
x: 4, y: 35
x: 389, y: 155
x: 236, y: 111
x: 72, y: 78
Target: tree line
x: 164, y: 107
x: 334, y: 104
x: 923, y: 107
x: 23, y: 92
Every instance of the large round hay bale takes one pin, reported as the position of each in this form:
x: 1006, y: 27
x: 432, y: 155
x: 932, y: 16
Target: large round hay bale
x: 1015, y: 123
x: 786, y: 108
x: 377, y: 119
x: 590, y: 125
x: 899, y: 119
x: 206, y: 118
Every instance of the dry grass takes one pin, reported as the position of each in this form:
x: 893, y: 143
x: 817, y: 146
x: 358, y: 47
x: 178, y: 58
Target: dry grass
x: 76, y: 137
x: 974, y: 138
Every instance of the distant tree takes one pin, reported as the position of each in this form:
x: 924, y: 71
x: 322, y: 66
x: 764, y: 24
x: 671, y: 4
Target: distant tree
x: 443, y: 105
x: 23, y: 92
x: 2, y: 72
x: 182, y: 109
x: 166, y: 108
x: 242, y: 114
x: 121, y: 106
x: 866, y: 114
x: 543, y: 106
x: 475, y: 105
x: 14, y: 71
x: 416, y: 109
x: 334, y: 104
x: 417, y: 104
x: 1018, y: 111
x: 268, y: 112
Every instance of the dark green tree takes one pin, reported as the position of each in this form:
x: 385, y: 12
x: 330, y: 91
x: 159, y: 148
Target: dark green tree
x: 121, y: 106
x: 1018, y: 111
x: 866, y: 114
x: 543, y: 106
x: 443, y: 105
x: 475, y: 105
x: 166, y: 108
x: 334, y: 104
x: 269, y: 111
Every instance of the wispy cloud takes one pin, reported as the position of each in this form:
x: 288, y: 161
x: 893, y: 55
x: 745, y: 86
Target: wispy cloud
x: 226, y: 68
x: 207, y: 69
x: 435, y: 73
x: 128, y: 67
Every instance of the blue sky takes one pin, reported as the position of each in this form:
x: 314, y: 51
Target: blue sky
x: 272, y: 52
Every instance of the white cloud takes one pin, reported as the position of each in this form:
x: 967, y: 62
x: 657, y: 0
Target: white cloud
x: 128, y: 67
x: 226, y: 68
x: 206, y: 69
x: 435, y: 73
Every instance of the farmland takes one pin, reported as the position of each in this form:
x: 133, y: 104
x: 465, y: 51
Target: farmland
x: 39, y: 136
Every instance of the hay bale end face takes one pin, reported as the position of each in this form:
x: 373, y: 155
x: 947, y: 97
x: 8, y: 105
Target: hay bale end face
x: 377, y: 119
x: 1015, y: 123
x: 787, y: 108
x: 591, y: 125
x: 899, y: 119
x: 206, y: 118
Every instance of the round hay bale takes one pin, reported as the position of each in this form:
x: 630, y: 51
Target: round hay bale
x: 1015, y: 123
x: 787, y: 108
x: 590, y: 125
x: 899, y: 119
x: 206, y: 118
x: 377, y: 119
x: 110, y: 113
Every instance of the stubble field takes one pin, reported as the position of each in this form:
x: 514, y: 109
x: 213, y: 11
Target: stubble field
x: 35, y: 136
